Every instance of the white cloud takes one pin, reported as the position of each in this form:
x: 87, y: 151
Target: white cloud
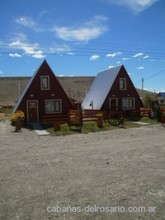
x: 70, y: 53
x: 140, y: 68
x: 38, y: 54
x: 1, y: 72
x: 28, y: 49
x: 79, y: 34
x: 28, y: 22
x: 135, y: 5
x: 88, y: 31
x: 59, y: 48
x: 15, y: 55
x: 25, y: 21
x: 126, y: 58
x: 113, y: 54
x: 94, y: 57
x: 138, y: 55
x: 146, y: 56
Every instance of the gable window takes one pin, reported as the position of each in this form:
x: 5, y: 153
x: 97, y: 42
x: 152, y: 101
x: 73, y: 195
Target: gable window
x: 128, y: 103
x: 122, y: 83
x: 53, y: 106
x: 45, y: 83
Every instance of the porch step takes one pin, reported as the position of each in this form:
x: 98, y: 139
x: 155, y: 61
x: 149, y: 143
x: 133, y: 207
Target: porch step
x: 39, y: 130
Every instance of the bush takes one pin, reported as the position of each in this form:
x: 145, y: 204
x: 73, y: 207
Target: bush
x: 18, y: 116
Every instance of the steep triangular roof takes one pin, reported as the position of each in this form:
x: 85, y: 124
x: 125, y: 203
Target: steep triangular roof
x: 29, y: 84
x: 100, y: 88
x: 27, y: 87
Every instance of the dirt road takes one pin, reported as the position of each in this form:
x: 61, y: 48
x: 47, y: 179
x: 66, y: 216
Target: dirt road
x: 118, y: 175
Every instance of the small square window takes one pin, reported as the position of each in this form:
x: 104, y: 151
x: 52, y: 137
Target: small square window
x: 53, y: 106
x: 128, y: 103
x: 45, y: 84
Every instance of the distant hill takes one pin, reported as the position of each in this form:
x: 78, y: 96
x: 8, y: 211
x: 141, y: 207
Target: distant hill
x: 12, y: 87
x: 75, y: 87
x: 142, y: 93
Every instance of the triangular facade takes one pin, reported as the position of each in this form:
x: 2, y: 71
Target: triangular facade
x: 112, y: 87
x: 43, y: 96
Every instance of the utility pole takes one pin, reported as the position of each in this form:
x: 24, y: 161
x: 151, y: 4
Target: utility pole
x: 142, y: 83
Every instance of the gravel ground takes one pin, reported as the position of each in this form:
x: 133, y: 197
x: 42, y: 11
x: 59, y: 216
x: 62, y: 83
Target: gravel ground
x: 119, y: 174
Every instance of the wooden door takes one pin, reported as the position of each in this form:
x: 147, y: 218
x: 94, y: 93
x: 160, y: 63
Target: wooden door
x: 32, y: 111
x: 113, y: 104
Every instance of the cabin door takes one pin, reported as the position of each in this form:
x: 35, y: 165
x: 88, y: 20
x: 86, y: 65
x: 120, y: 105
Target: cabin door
x: 113, y: 104
x: 32, y: 111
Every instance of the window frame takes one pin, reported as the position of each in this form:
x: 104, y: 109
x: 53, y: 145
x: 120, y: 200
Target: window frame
x: 128, y: 107
x: 48, y: 82
x: 122, y: 83
x: 56, y: 111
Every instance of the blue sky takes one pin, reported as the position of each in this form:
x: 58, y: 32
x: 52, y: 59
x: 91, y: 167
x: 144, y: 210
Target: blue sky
x: 82, y: 38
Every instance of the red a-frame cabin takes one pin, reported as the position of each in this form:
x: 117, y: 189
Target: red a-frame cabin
x: 43, y: 97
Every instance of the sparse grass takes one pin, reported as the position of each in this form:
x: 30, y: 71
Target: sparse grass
x: 4, y: 116
x: 86, y: 128
x: 63, y: 131
x: 91, y: 126
x: 149, y: 120
x: 5, y: 110
x: 5, y: 113
x: 130, y: 124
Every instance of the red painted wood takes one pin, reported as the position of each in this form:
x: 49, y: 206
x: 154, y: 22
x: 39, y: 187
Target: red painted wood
x: 34, y: 92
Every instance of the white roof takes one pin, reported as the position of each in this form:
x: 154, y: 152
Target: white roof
x: 100, y: 88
